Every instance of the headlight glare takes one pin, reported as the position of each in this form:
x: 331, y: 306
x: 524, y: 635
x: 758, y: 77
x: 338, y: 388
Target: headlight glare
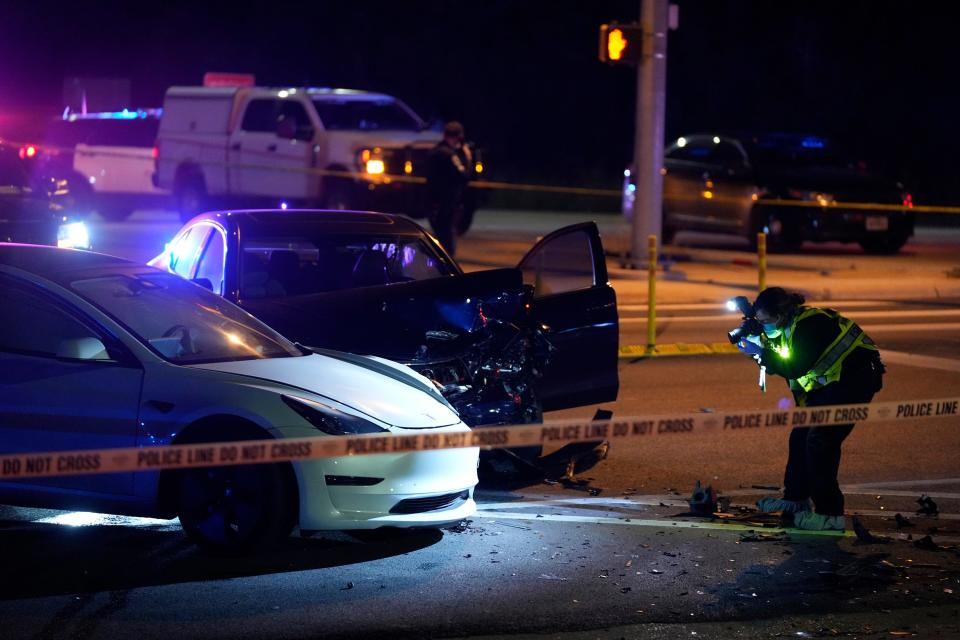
x: 73, y: 235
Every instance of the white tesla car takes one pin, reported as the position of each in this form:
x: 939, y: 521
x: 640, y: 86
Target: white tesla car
x: 98, y: 352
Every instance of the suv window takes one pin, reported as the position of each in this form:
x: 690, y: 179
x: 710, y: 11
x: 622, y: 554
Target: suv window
x: 703, y: 151
x: 365, y: 115
x: 260, y: 116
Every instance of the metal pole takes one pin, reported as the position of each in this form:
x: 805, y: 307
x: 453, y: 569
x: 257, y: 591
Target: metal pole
x: 651, y: 294
x: 762, y: 260
x: 648, y: 138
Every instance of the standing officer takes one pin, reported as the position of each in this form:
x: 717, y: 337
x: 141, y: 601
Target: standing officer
x: 450, y: 168
x: 827, y: 359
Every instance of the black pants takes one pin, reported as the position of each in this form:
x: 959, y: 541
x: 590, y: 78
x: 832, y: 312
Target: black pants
x: 814, y: 458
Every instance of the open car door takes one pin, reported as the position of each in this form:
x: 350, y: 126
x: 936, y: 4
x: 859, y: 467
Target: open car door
x: 573, y: 298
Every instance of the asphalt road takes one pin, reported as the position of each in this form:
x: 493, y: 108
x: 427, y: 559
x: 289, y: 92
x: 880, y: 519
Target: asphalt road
x: 555, y: 558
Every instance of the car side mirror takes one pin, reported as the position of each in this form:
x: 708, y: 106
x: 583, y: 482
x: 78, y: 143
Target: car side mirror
x: 82, y: 349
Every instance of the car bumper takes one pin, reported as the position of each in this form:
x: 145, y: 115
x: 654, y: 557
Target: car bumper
x: 846, y: 225
x: 418, y: 489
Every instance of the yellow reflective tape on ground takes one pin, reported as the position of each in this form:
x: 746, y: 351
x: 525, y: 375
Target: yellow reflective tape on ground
x: 22, y: 466
x: 677, y: 349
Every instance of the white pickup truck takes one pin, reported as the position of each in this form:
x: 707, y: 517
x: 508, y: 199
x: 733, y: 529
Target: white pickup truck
x: 106, y: 157
x: 253, y: 146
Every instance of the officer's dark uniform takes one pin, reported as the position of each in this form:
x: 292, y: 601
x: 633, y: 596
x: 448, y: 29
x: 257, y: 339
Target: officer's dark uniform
x: 449, y: 171
x: 826, y: 359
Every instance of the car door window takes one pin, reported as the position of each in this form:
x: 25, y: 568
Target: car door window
x: 210, y: 266
x: 260, y: 116
x: 293, y: 111
x: 564, y: 264
x: 702, y: 151
x: 34, y: 325
x: 186, y: 250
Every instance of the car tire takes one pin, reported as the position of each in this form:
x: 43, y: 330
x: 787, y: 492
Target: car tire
x: 884, y: 245
x: 667, y: 232
x: 190, y: 194
x: 232, y: 510
x: 783, y: 235
x: 464, y: 220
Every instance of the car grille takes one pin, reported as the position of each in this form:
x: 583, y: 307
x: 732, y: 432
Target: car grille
x: 418, y: 156
x: 433, y: 503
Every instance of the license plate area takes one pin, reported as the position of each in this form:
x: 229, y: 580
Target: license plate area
x: 877, y: 223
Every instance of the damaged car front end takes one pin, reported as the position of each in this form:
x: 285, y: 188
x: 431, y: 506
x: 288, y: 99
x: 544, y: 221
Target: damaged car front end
x: 502, y: 345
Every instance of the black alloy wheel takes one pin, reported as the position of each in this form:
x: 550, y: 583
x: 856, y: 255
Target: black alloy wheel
x: 232, y: 510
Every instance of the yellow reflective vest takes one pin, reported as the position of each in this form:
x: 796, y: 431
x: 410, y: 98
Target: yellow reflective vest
x: 829, y: 365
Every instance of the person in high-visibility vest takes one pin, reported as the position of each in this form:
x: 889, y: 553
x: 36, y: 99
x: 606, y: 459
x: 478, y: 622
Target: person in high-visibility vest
x: 827, y: 360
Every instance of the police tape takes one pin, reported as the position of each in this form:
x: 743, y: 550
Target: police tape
x: 21, y: 466
x: 375, y: 180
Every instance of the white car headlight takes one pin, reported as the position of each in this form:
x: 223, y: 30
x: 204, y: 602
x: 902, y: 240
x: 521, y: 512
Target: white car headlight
x: 73, y: 235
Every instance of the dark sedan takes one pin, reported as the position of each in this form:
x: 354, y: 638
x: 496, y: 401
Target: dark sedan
x: 793, y: 187
x: 503, y: 344
x: 36, y: 211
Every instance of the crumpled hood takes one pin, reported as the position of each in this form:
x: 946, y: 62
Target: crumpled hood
x: 385, y: 398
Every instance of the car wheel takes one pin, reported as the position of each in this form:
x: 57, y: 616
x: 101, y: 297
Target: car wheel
x: 190, y: 194
x: 667, y: 232
x: 783, y: 235
x: 234, y: 509
x: 884, y: 245
x: 464, y: 220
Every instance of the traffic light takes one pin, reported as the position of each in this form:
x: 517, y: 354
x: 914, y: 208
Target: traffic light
x: 621, y: 43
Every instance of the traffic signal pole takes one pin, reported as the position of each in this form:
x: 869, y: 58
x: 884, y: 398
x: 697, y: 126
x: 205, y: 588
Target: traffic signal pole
x: 648, y: 137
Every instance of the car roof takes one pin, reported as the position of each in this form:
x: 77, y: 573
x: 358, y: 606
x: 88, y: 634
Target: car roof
x: 54, y: 263
x: 361, y: 222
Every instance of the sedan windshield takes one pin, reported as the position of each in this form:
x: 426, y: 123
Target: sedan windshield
x: 279, y: 266
x: 786, y: 151
x: 366, y: 115
x: 183, y: 322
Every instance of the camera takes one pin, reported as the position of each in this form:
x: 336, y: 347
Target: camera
x: 750, y: 325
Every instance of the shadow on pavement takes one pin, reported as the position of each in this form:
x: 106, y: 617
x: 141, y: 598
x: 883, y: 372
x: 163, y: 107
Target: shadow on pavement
x: 49, y: 560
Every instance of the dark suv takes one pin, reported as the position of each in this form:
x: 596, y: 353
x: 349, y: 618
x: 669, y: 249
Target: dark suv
x: 37, y: 211
x: 793, y: 187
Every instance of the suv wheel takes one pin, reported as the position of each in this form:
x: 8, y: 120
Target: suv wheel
x: 190, y: 194
x: 884, y: 245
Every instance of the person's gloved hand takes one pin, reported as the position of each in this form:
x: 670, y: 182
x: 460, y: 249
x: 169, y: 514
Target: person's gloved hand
x: 750, y: 347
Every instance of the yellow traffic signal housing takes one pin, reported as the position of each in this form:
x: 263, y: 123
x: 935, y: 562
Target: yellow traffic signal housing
x: 621, y: 43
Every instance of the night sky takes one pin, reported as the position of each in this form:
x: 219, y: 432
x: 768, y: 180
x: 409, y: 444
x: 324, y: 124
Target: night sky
x: 523, y: 75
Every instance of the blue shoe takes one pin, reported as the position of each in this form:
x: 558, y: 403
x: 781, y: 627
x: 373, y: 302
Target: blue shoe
x: 772, y: 505
x: 811, y: 521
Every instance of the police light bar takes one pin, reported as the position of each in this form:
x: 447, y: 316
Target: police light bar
x: 218, y: 79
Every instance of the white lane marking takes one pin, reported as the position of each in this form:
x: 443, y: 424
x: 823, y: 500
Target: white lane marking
x: 662, y: 524
x: 916, y: 360
x: 912, y: 326
x: 858, y: 491
x: 900, y: 483
x: 713, y: 306
x: 922, y: 313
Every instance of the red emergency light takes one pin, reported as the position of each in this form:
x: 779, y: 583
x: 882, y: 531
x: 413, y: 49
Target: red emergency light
x: 27, y: 151
x: 217, y: 79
